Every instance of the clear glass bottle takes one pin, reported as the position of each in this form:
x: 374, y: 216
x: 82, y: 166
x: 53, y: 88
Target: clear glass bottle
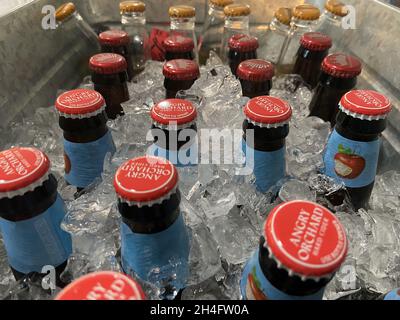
x: 183, y: 23
x: 212, y: 29
x: 305, y: 19
x: 236, y: 21
x: 133, y: 20
x: 276, y: 35
x: 67, y: 17
x: 331, y: 21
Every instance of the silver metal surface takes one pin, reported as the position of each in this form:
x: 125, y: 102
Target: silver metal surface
x: 35, y: 63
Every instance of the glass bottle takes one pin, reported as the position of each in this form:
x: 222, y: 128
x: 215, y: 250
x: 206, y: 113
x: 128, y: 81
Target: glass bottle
x: 236, y: 21
x: 331, y: 21
x: 302, y: 246
x: 175, y: 132
x: 110, y: 78
x: 67, y: 17
x: 241, y: 47
x: 178, y: 47
x: 31, y: 213
x: 352, y: 152
x: 338, y: 75
x: 153, y: 231
x: 255, y: 77
x: 276, y: 35
x: 305, y: 19
x: 87, y: 139
x: 179, y: 74
x: 264, y: 139
x: 118, y: 41
x: 133, y: 20
x: 182, y: 22
x: 314, y: 47
x: 212, y: 29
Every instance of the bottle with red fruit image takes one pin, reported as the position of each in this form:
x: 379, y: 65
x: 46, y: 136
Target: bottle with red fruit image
x: 102, y: 285
x: 352, y: 151
x: 302, y: 246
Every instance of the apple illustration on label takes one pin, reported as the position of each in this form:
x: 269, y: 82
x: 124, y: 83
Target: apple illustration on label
x: 253, y: 291
x: 348, y: 165
x: 67, y: 164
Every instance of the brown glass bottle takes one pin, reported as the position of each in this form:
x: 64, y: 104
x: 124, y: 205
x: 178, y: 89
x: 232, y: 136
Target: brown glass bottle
x: 118, y: 41
x: 255, y: 76
x: 352, y: 152
x: 338, y: 75
x: 31, y: 212
x: 110, y: 80
x: 241, y: 47
x: 180, y: 74
x: 314, y: 47
x: 178, y: 47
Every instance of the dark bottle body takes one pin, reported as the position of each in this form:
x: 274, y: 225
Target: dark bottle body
x: 252, y: 89
x: 236, y: 57
x: 114, y: 89
x: 124, y: 51
x: 31, y: 205
x: 364, y: 131
x: 328, y: 93
x: 308, y: 65
x: 173, y: 86
x: 188, y: 55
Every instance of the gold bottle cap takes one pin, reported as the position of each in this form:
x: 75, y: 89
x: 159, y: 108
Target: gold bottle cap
x: 306, y: 12
x: 284, y: 15
x: 336, y: 7
x: 132, y: 6
x: 64, y: 11
x: 237, y: 10
x: 182, y: 12
x: 221, y: 3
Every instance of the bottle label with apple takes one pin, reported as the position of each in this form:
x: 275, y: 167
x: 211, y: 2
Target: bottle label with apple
x: 352, y: 162
x: 255, y: 286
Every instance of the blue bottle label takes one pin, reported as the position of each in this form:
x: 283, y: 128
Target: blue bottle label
x: 37, y: 242
x: 185, y: 157
x: 255, y: 286
x: 268, y: 167
x: 84, y: 161
x: 167, y: 251
x: 393, y: 295
x: 353, y: 162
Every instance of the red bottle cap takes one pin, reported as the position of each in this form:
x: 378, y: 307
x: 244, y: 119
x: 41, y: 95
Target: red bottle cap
x: 255, y: 70
x: 306, y: 239
x: 114, y: 38
x: 341, y: 65
x: 22, y: 170
x: 108, y: 63
x: 267, y: 111
x: 176, y: 111
x: 178, y: 43
x: 181, y: 69
x: 243, y: 43
x: 146, y: 180
x: 105, y: 285
x: 365, y: 104
x: 80, y: 103
x: 316, y: 41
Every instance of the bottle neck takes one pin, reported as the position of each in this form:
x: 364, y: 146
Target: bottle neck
x: 302, y: 26
x: 215, y: 12
x: 276, y: 24
x: 133, y: 18
x: 183, y: 24
x: 331, y: 18
x: 237, y: 23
